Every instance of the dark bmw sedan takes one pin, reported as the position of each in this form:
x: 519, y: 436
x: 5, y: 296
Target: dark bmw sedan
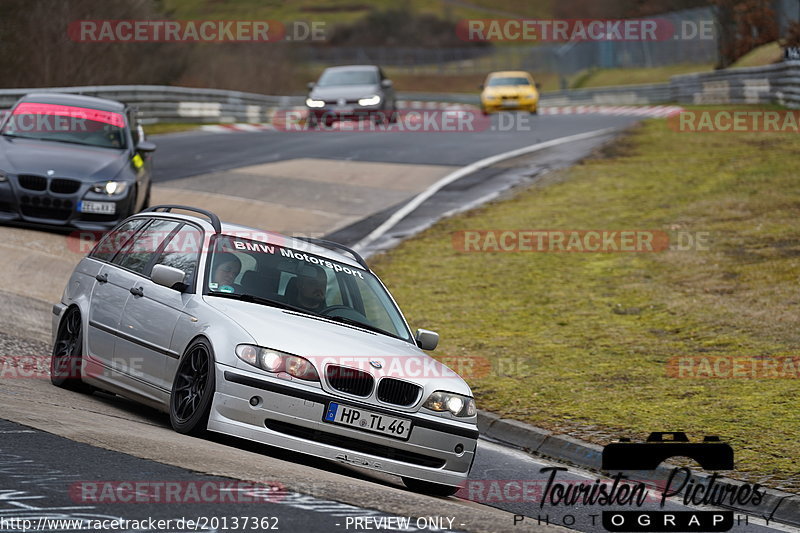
x: 70, y: 160
x: 353, y: 92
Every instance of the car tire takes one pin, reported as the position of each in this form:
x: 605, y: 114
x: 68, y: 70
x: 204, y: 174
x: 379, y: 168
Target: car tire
x: 146, y: 202
x: 429, y: 488
x: 193, y: 389
x: 131, y: 210
x: 67, y: 357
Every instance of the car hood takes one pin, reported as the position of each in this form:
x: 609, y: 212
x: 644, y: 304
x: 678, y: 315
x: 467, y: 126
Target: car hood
x: 30, y: 156
x: 325, y: 342
x: 348, y: 92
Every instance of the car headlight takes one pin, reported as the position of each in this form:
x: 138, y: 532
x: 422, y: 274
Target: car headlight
x: 111, y: 188
x: 3, y: 176
x: 447, y: 401
x: 369, y: 100
x: 310, y: 102
x: 275, y: 361
x: 490, y: 97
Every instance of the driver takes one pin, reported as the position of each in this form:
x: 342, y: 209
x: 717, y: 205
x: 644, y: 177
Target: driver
x: 311, y: 287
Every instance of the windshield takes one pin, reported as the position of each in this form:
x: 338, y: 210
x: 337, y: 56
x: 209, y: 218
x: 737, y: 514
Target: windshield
x: 298, y: 280
x: 493, y: 82
x: 331, y: 78
x: 79, y: 125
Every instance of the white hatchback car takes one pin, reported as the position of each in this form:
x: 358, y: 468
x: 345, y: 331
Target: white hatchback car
x: 287, y: 341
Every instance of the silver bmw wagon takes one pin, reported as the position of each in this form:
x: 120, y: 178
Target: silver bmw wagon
x: 287, y: 341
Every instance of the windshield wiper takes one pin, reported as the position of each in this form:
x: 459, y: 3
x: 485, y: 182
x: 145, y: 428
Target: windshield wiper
x: 65, y: 141
x: 350, y: 321
x: 258, y: 300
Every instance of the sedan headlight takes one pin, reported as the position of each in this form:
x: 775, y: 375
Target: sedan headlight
x: 110, y: 188
x: 447, y: 401
x: 275, y: 361
x: 369, y: 100
x: 310, y: 102
x: 3, y: 176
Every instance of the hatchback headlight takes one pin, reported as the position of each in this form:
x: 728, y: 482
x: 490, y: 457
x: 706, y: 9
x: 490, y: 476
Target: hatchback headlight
x: 310, y: 102
x: 3, y: 176
x: 110, y: 188
x: 275, y: 361
x: 369, y: 100
x: 454, y: 403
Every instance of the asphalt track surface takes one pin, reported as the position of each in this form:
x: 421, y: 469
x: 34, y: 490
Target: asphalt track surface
x: 58, y: 438
x: 189, y: 154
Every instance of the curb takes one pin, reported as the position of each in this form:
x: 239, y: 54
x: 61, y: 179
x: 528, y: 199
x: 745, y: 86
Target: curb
x: 785, y: 507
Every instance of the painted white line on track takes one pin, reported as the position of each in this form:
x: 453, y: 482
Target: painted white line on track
x: 415, y: 202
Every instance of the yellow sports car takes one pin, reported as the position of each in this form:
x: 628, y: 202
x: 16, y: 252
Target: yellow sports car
x: 508, y: 91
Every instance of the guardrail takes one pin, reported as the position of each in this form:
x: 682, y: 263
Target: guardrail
x: 161, y: 103
x: 772, y: 84
x: 778, y: 83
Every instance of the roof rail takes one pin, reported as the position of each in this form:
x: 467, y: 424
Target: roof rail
x: 169, y: 207
x: 337, y: 246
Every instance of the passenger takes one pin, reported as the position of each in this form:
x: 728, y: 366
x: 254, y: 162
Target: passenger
x: 227, y: 267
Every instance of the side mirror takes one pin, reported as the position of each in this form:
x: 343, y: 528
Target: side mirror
x: 169, y: 277
x: 538, y: 86
x: 310, y: 85
x: 426, y: 339
x: 480, y: 86
x: 145, y: 146
x: 386, y: 83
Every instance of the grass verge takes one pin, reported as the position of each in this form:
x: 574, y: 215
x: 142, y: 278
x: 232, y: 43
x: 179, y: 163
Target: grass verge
x: 171, y: 127
x: 580, y: 342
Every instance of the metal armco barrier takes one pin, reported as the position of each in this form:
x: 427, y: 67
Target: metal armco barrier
x: 161, y: 103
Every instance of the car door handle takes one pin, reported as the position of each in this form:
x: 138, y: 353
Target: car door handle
x: 137, y: 291
x: 101, y: 278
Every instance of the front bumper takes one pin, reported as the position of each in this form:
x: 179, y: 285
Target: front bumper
x: 45, y: 207
x: 494, y: 106
x: 291, y: 416
x: 328, y: 115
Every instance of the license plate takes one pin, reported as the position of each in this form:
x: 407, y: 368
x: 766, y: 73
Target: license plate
x: 510, y: 103
x: 102, y: 208
x: 346, y: 415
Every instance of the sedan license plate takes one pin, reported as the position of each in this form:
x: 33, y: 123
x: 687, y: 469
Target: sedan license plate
x: 510, y: 103
x: 346, y: 415
x: 101, y: 208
